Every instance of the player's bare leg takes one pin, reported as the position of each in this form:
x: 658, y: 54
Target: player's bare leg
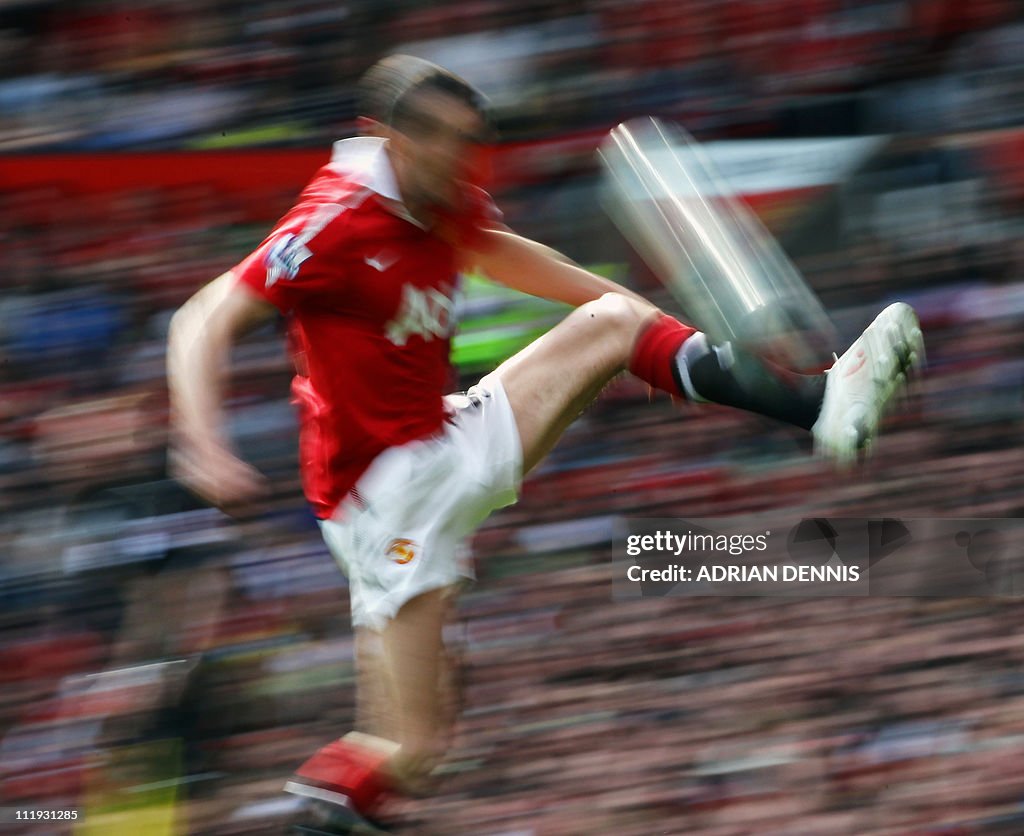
x: 407, y: 689
x: 551, y: 381
x: 413, y: 655
x: 404, y: 701
x: 375, y: 709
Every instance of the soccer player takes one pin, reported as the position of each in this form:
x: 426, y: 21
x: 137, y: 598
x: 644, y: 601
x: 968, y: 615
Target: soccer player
x: 365, y: 269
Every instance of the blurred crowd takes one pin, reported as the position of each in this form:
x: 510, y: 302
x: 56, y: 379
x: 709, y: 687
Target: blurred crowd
x: 143, y: 635
x: 113, y: 74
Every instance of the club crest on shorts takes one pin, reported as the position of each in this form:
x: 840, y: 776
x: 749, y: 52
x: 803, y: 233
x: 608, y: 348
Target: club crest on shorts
x: 401, y: 551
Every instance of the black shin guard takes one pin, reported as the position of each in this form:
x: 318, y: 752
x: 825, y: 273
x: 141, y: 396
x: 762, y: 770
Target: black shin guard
x: 732, y: 376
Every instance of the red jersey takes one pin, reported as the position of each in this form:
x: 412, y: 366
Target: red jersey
x: 370, y: 301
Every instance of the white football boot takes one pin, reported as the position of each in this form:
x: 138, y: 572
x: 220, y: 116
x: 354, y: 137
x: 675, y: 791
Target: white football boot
x: 861, y: 384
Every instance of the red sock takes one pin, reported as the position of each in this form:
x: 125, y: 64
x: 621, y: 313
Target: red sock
x: 654, y: 355
x: 355, y: 771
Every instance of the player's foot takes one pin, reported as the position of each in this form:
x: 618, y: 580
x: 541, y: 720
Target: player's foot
x: 344, y: 784
x: 861, y: 384
x: 326, y: 813
x: 303, y: 830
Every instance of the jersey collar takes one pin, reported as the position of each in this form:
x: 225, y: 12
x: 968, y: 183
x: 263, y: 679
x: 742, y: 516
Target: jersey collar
x: 364, y: 160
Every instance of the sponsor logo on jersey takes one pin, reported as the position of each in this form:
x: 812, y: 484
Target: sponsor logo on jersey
x: 401, y: 551
x: 428, y: 313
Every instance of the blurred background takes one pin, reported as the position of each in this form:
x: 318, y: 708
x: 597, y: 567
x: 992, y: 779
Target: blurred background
x: 163, y: 668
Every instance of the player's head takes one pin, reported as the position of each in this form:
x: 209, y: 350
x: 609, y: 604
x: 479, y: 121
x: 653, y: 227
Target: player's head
x: 434, y: 121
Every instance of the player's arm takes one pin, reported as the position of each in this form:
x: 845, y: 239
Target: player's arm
x: 199, y: 343
x: 533, y: 268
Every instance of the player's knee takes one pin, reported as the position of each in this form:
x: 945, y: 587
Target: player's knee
x: 616, y: 310
x: 614, y: 321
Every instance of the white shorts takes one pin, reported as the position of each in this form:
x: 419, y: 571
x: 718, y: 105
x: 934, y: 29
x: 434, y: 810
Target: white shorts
x: 399, y: 533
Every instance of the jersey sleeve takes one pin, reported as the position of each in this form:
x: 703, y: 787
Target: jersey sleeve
x: 301, y: 258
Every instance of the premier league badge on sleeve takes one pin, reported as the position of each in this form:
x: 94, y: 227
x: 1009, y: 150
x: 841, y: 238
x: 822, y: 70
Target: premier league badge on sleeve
x: 284, y: 258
